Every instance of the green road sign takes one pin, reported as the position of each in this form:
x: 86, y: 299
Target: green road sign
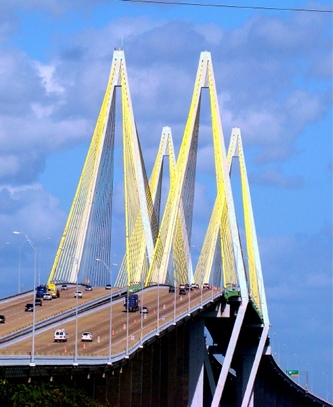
x: 292, y: 372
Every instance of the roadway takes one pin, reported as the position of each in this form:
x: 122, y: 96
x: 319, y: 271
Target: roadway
x: 16, y: 317
x: 125, y: 327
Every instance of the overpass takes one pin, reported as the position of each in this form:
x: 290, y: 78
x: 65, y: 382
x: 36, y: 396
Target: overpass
x: 159, y: 358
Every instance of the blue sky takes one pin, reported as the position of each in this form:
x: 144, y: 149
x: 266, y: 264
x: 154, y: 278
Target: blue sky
x: 273, y: 72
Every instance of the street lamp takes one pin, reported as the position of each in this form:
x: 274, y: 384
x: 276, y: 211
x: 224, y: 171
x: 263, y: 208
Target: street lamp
x: 189, y: 282
x: 76, y: 261
x: 40, y: 259
x: 196, y: 262
x: 142, y: 298
x: 32, y: 362
x: 110, y: 333
x: 76, y: 309
x: 19, y: 267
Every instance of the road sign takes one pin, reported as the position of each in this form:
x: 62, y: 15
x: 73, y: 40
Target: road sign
x: 292, y: 372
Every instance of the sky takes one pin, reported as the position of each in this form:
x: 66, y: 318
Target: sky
x: 273, y: 72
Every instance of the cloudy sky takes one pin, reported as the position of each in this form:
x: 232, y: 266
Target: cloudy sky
x: 273, y: 71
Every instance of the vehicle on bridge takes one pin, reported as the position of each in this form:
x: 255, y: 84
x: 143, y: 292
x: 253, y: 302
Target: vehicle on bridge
x: 2, y: 319
x: 47, y: 296
x: 108, y: 287
x: 41, y: 290
x: 134, y: 287
x: 38, y: 301
x: 52, y: 289
x: 78, y: 294
x: 88, y: 287
x: 131, y: 302
x: 29, y: 308
x: 206, y: 286
x: 64, y: 287
x: 60, y: 335
x: 86, y: 337
x: 182, y: 291
x: 144, y: 310
x: 171, y: 289
x: 231, y: 293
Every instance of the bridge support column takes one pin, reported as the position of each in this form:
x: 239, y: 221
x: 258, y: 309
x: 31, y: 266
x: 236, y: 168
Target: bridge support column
x: 243, y: 364
x: 229, y: 354
x: 248, y: 394
x: 196, y: 363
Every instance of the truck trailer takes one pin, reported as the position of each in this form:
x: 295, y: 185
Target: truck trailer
x: 131, y: 302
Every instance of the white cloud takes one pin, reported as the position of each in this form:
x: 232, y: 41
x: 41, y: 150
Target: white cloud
x: 46, y: 73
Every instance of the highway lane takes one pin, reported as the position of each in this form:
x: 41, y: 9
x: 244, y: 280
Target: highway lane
x: 98, y: 323
x: 17, y: 318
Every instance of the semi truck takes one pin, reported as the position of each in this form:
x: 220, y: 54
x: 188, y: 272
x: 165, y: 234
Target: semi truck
x: 41, y: 290
x: 131, y: 302
x: 52, y: 289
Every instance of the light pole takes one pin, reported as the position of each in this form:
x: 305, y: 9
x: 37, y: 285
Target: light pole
x: 40, y: 259
x: 19, y: 268
x: 196, y: 262
x: 76, y: 310
x: 76, y: 261
x: 141, y: 316
x: 32, y: 362
x: 110, y: 332
x: 189, y: 282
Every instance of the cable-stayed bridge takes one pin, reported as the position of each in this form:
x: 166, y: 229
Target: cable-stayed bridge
x: 158, y: 241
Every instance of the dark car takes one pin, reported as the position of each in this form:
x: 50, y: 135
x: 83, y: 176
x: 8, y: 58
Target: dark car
x: 29, y: 308
x: 2, y: 319
x: 38, y: 301
x: 182, y: 291
x: 206, y: 286
x: 171, y: 289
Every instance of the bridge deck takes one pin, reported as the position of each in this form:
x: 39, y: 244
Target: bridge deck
x: 96, y: 321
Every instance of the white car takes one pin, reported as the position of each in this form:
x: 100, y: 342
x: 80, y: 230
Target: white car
x: 47, y: 296
x: 60, y: 335
x: 78, y: 294
x: 86, y: 337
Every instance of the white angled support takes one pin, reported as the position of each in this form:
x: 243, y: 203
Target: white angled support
x: 229, y: 355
